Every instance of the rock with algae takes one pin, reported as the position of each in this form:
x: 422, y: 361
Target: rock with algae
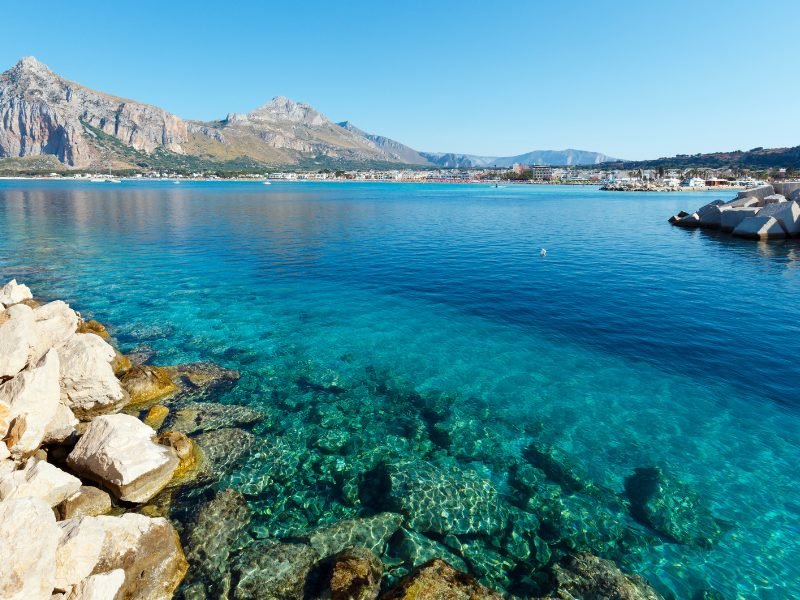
x: 371, y: 533
x: 208, y: 416
x: 436, y: 580
x: 355, y: 575
x: 587, y: 576
x: 267, y: 569
x: 671, y: 507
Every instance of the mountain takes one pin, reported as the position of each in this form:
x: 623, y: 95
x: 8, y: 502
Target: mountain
x: 398, y: 151
x: 757, y: 158
x: 555, y: 158
x: 41, y: 113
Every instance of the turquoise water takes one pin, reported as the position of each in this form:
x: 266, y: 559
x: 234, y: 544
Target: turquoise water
x: 630, y: 344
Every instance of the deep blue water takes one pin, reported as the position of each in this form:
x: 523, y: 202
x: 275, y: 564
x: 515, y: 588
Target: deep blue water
x: 636, y: 343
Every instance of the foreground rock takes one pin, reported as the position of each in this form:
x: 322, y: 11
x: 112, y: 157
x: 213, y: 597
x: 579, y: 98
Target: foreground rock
x: 104, y: 586
x: 436, y: 580
x: 587, y: 576
x: 268, y: 569
x: 671, y: 508
x: 147, y: 384
x: 28, y: 540
x: 760, y: 228
x: 16, y: 333
x: 14, y: 293
x: 118, y: 452
x: 88, y: 501
x: 54, y: 323
x: 88, y: 384
x: 355, y: 575
x: 39, y: 479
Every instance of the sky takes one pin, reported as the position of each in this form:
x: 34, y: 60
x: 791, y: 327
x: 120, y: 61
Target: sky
x: 633, y: 80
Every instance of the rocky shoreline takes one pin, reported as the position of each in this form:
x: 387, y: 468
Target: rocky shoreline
x: 125, y: 480
x: 769, y: 212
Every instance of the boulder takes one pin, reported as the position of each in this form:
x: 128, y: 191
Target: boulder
x: 773, y: 199
x: 709, y: 207
x: 148, y: 383
x: 355, y: 575
x: 16, y: 334
x: 208, y: 416
x: 188, y: 453
x: 39, y: 479
x: 118, y: 452
x: 14, y: 293
x: 32, y: 397
x: 677, y: 217
x: 732, y: 217
x: 54, y: 323
x: 62, y: 427
x: 693, y: 220
x: 88, y: 501
x: 121, y: 364
x: 223, y: 449
x: 371, y: 533
x: 147, y: 550
x: 414, y: 549
x: 671, y: 508
x: 760, y: 228
x: 156, y: 415
x: 760, y: 192
x: 436, y: 580
x: 786, y: 188
x: 267, y: 569
x: 94, y: 327
x: 786, y: 213
x: 29, y: 534
x: 88, y: 384
x: 103, y: 586
x: 433, y: 499
x: 587, y: 576
x: 712, y: 218
x: 199, y: 380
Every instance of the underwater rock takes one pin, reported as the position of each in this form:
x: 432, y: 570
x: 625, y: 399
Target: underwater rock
x: 147, y: 384
x: 356, y: 575
x: 29, y: 534
x: 208, y: 416
x: 583, y: 524
x: 118, y: 452
x: 88, y: 501
x: 223, y: 450
x: 436, y: 580
x: 188, y: 453
x: 219, y: 530
x: 432, y: 499
x: 557, y: 465
x: 88, y: 384
x: 155, y: 417
x: 41, y: 480
x: 414, y: 549
x: 587, y: 576
x: 671, y: 507
x: 267, y: 570
x: 371, y: 533
x: 201, y: 379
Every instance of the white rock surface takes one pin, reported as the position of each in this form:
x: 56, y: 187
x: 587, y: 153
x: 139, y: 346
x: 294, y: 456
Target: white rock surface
x: 786, y: 213
x: 16, y: 335
x: 103, y: 586
x: 78, y: 551
x: 760, y: 228
x: 13, y: 292
x: 118, y: 452
x: 28, y: 540
x: 732, y: 217
x: 62, y: 426
x: 39, y: 479
x: 88, y: 384
x: 33, y: 396
x: 55, y: 323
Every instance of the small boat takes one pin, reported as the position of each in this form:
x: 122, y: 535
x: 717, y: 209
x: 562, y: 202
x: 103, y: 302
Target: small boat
x: 176, y: 182
x: 114, y: 181
x: 267, y: 183
x: 98, y: 180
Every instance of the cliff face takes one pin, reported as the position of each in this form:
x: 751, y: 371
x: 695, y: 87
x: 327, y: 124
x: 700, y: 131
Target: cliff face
x: 43, y: 113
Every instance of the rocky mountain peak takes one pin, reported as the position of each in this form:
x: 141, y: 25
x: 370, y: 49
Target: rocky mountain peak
x: 29, y: 70
x: 285, y: 109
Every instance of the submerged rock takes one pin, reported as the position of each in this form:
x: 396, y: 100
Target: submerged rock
x: 201, y: 379
x: 436, y: 580
x: 208, y: 416
x: 147, y: 384
x: 371, y: 533
x: 355, y: 575
x: 414, y: 549
x: 28, y: 540
x: 587, y: 576
x: 671, y: 508
x: 432, y: 499
x: 156, y: 415
x: 267, y: 570
x: 119, y: 453
x: 223, y: 450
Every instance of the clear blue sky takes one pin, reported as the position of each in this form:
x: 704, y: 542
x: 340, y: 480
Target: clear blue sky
x: 631, y: 79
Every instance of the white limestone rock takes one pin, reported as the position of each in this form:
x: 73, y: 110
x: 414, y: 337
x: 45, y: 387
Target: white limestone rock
x: 28, y: 540
x: 78, y: 551
x: 88, y: 384
x: 39, y: 479
x: 13, y: 293
x: 62, y: 426
x: 16, y: 334
x: 760, y: 228
x: 730, y: 218
x: 774, y: 199
x: 55, y: 323
x: 118, y: 452
x: 760, y: 192
x: 786, y: 213
x: 33, y: 400
x: 103, y: 586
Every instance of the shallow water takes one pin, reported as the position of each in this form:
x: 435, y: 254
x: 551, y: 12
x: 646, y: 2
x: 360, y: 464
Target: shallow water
x: 632, y: 343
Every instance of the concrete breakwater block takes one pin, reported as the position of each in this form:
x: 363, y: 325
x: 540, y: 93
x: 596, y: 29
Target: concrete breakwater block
x: 730, y: 219
x: 760, y: 228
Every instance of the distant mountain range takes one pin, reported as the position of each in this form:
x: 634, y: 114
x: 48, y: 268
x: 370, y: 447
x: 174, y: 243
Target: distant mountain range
x: 42, y: 114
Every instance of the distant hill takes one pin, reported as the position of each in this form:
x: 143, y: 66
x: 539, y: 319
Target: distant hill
x: 757, y: 158
x: 556, y: 158
x: 396, y: 150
